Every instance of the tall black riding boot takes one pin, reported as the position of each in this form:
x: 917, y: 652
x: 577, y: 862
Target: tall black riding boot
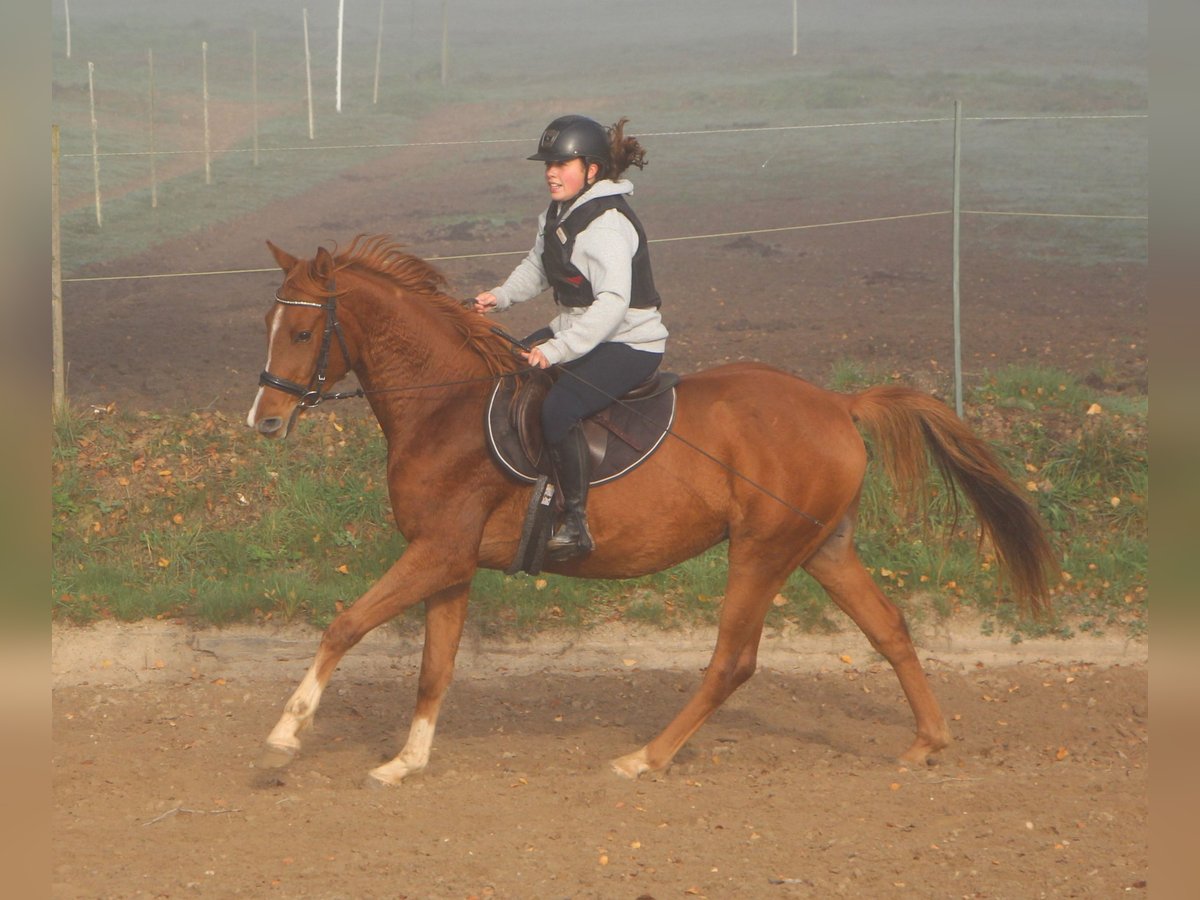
x: 572, y: 463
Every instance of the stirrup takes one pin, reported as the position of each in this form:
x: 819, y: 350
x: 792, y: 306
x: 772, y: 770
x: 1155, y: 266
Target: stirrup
x: 571, y: 539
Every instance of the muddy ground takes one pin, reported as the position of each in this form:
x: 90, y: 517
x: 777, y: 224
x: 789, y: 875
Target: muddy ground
x: 791, y: 790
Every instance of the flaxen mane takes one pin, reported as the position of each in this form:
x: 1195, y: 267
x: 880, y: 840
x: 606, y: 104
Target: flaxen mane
x: 381, y: 255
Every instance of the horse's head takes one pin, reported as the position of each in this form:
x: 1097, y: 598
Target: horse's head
x: 306, y: 349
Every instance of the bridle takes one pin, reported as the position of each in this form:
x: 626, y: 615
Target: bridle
x: 313, y: 394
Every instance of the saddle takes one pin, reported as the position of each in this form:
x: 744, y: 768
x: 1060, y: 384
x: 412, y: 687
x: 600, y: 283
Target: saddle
x: 620, y: 437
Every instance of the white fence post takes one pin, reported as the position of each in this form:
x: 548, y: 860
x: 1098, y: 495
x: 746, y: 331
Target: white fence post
x: 795, y: 27
x: 445, y: 41
x: 207, y: 140
x: 153, y: 168
x: 341, y: 18
x: 254, y: 87
x: 308, y: 74
x: 378, y: 55
x: 95, y: 142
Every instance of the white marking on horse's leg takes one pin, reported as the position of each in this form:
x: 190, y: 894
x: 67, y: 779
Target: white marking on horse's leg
x: 252, y: 416
x: 297, y: 714
x: 631, y: 765
x: 413, y: 758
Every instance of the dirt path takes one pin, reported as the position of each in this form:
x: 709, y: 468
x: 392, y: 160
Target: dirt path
x: 790, y: 791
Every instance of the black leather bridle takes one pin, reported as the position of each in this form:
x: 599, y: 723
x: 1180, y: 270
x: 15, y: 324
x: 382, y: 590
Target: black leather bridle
x: 313, y: 394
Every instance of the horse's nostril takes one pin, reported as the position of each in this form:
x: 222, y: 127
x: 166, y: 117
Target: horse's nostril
x: 270, y: 425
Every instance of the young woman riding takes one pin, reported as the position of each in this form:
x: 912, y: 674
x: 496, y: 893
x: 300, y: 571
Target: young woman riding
x: 608, y: 336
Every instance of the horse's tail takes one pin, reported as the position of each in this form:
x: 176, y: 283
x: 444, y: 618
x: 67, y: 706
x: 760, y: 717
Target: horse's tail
x: 904, y: 423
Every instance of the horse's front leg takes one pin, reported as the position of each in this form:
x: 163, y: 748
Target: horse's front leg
x: 445, y: 615
x: 424, y: 571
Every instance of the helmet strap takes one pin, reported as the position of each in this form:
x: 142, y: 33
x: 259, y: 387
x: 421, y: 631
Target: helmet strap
x: 566, y: 204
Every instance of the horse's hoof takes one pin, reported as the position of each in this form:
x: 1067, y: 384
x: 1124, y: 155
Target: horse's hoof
x: 371, y: 783
x: 631, y: 766
x: 921, y: 753
x: 275, y: 757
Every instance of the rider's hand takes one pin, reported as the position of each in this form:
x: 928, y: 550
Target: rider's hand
x: 485, y: 302
x: 536, y: 358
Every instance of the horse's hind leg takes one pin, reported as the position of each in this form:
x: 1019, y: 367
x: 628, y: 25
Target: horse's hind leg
x: 837, y: 568
x: 753, y: 581
x: 444, y: 619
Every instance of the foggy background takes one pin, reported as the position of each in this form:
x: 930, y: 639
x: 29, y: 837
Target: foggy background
x: 742, y: 136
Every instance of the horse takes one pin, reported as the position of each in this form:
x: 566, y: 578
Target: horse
x: 756, y: 457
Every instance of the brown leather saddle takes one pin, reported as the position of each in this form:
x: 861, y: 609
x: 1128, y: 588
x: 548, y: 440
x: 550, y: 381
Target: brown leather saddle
x: 620, y: 437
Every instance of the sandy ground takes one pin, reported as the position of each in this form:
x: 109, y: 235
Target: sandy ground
x: 791, y: 789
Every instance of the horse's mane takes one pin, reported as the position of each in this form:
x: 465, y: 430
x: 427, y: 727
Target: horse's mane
x: 380, y: 255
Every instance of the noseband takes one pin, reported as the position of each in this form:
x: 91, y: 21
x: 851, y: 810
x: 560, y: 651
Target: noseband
x: 312, y: 395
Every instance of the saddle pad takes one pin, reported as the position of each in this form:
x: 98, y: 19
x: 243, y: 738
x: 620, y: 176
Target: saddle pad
x: 620, y: 437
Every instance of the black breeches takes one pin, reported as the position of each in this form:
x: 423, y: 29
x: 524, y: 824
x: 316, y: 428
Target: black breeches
x: 592, y: 382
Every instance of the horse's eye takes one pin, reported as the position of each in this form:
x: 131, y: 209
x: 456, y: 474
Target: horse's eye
x: 303, y: 337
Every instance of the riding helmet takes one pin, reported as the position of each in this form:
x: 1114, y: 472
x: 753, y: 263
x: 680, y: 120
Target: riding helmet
x: 568, y: 137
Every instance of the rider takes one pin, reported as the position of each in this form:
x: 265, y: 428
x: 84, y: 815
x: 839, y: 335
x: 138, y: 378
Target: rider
x: 608, y: 335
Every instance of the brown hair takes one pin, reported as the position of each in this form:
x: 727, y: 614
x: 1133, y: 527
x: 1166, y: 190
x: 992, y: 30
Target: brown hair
x: 623, y: 151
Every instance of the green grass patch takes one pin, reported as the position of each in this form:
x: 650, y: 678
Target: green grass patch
x: 192, y: 517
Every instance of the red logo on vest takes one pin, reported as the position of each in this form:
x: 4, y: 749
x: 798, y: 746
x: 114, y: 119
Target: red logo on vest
x: 575, y: 280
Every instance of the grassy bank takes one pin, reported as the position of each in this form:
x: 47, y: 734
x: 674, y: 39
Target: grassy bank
x: 192, y: 517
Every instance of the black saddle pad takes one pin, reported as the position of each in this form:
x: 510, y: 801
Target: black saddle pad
x: 620, y: 437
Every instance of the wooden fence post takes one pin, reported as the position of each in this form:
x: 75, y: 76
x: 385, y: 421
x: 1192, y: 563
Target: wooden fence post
x: 958, y: 379
x: 59, y: 400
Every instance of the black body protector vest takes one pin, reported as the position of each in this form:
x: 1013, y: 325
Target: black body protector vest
x: 571, y: 288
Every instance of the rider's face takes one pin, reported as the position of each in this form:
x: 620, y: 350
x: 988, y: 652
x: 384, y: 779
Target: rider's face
x: 565, y: 179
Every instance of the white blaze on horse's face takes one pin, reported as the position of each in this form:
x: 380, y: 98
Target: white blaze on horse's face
x: 273, y: 319
x: 293, y: 341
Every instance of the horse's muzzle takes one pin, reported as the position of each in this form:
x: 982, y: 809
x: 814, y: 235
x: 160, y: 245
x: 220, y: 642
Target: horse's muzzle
x: 272, y: 426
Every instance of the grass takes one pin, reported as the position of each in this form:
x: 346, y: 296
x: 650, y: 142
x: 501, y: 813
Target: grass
x: 193, y: 518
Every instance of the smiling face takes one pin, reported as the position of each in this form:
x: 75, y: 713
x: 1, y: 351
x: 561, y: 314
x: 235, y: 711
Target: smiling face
x: 566, y: 179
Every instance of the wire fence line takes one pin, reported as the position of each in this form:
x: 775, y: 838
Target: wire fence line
x: 401, y: 145
x: 955, y: 213
x: 664, y: 240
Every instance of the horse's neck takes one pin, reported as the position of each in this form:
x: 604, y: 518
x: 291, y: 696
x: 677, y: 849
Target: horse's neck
x: 419, y: 376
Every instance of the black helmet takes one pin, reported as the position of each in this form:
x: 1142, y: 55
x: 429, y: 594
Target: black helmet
x: 568, y: 137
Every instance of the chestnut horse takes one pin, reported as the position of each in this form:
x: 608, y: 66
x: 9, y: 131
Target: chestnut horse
x: 759, y: 458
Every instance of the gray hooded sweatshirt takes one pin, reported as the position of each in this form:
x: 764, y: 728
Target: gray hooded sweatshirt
x: 603, y: 252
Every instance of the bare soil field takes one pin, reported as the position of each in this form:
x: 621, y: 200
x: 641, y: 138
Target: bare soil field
x: 879, y: 295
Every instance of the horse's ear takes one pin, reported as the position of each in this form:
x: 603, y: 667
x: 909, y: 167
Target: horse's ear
x: 323, y: 263
x: 285, y: 259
